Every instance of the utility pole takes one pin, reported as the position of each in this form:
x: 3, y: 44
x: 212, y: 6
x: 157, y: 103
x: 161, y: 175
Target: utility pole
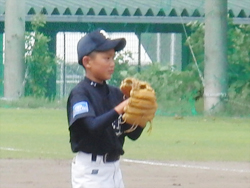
x: 215, y: 72
x: 14, y: 65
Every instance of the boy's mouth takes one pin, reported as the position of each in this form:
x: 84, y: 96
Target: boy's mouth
x: 111, y: 71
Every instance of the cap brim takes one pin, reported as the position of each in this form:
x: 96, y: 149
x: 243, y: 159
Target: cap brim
x: 116, y: 44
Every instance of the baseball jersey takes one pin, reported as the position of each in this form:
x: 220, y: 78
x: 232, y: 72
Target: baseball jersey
x: 87, y: 101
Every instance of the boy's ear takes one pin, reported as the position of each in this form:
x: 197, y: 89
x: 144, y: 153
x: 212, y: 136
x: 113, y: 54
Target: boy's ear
x: 85, y: 61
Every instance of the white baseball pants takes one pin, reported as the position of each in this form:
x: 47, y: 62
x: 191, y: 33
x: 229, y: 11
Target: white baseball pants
x: 95, y: 174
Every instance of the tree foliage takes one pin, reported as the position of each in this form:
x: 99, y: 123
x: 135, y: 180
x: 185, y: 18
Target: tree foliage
x: 40, y: 62
x: 186, y: 85
x: 122, y: 68
x: 238, y: 56
x: 239, y: 61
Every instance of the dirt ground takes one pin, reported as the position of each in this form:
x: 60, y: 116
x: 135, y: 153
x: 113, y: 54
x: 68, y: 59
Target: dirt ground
x: 56, y: 174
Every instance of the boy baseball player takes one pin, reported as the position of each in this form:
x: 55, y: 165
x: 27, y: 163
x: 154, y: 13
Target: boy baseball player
x: 94, y: 111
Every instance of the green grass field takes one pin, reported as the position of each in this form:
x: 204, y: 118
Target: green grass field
x: 43, y: 133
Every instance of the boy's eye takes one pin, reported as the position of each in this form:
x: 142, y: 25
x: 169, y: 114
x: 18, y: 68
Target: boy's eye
x: 108, y: 57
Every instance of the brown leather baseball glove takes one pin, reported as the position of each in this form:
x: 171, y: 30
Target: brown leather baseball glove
x: 142, y: 103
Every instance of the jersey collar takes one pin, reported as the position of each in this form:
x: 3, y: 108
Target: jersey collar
x: 94, y: 84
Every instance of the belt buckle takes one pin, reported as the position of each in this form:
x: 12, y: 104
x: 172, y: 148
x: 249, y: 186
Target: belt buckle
x: 110, y: 157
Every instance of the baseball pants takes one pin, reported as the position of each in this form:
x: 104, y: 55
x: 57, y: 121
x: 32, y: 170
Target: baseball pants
x: 95, y: 174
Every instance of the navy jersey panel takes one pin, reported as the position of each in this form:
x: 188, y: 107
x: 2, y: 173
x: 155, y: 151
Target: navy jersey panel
x: 89, y: 99
x: 77, y: 98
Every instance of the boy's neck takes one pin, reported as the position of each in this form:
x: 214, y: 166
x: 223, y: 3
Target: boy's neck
x: 95, y: 80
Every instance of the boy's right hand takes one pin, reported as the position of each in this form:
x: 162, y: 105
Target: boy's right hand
x: 120, y: 107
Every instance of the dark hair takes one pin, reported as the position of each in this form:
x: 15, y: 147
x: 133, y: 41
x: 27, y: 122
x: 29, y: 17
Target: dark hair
x: 91, y: 54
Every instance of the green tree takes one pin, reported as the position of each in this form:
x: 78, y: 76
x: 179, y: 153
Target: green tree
x: 122, y: 68
x: 238, y: 56
x: 239, y: 61
x: 40, y: 62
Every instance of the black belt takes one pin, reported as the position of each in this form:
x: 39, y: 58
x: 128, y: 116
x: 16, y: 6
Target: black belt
x: 108, y: 157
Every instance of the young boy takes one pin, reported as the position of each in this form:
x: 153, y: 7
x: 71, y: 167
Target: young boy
x: 94, y: 111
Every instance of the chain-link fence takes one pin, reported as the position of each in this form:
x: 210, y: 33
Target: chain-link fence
x: 155, y: 48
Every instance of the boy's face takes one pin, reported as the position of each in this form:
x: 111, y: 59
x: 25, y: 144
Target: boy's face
x: 100, y: 66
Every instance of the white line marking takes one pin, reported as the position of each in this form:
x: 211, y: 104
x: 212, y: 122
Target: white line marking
x: 184, y: 166
x: 12, y: 149
x: 146, y: 162
x: 28, y: 151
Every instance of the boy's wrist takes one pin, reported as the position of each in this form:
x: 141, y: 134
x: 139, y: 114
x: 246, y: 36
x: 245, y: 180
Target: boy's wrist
x: 119, y: 109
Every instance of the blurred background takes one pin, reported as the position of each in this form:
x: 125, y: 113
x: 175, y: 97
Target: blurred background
x: 165, y: 46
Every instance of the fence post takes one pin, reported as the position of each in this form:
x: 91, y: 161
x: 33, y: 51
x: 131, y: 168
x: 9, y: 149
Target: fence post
x: 51, y: 94
x: 1, y: 65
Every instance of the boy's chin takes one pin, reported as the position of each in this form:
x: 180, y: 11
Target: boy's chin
x: 108, y: 77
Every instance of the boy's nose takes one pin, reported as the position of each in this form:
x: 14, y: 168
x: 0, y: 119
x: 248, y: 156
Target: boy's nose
x: 112, y: 62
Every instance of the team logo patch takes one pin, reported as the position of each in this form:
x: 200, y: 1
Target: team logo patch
x: 104, y: 34
x: 80, y: 107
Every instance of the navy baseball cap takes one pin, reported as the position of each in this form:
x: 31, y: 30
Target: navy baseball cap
x: 98, y: 40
